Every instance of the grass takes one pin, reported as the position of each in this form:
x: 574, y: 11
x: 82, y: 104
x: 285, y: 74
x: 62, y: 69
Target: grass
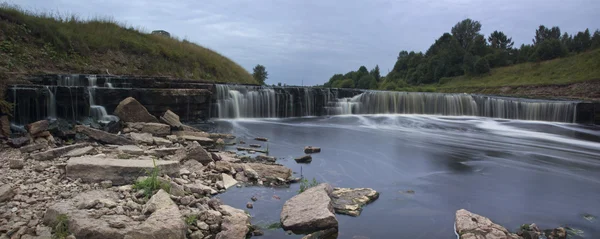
x: 305, y: 184
x: 61, y: 229
x: 572, y: 69
x: 191, y: 220
x: 151, y: 184
x: 36, y: 43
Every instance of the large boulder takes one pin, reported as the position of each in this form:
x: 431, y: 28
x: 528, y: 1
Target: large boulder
x: 196, y: 152
x: 165, y: 220
x: 56, y: 152
x: 235, y: 223
x: 171, y: 119
x: 130, y: 110
x: 102, y: 136
x: 472, y: 226
x: 350, y: 201
x: 309, y: 211
x: 4, y: 127
x: 37, y: 127
x: 93, y: 169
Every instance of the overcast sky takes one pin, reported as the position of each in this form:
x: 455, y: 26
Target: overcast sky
x: 307, y: 41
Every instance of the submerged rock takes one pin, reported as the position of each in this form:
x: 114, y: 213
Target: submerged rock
x: 130, y: 110
x: 304, y: 159
x: 351, y: 200
x: 309, y: 211
x: 472, y: 226
x: 261, y: 139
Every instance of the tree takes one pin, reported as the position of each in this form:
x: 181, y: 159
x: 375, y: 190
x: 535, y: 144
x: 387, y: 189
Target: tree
x: 466, y: 31
x: 479, y: 46
x: 469, y: 63
x: 549, y: 49
x: 500, y: 41
x: 543, y: 33
x: 582, y: 41
x: 482, y: 66
x: 596, y: 40
x: 260, y: 74
x: 367, y: 82
x: 375, y: 73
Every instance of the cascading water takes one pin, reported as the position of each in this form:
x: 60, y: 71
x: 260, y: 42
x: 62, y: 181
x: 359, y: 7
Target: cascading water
x: 51, y: 103
x: 269, y: 102
x: 97, y: 112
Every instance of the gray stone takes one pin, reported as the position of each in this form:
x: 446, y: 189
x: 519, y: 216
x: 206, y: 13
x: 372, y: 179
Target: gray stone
x: 469, y: 225
x: 7, y: 192
x: 55, y: 153
x: 311, y: 150
x: 32, y: 147
x: 171, y: 119
x: 235, y: 223
x: 197, y: 153
x: 199, y: 189
x: 102, y: 136
x: 79, y: 152
x: 16, y: 163
x: 351, y: 200
x: 163, y: 151
x: 162, y: 141
x: 228, y: 181
x: 326, y: 234
x: 261, y: 139
x: 119, y: 171
x: 270, y: 171
x: 304, y: 159
x: 266, y: 158
x: 131, y: 149
x: 157, y: 129
x: 130, y: 110
x: 197, y: 235
x: 309, y: 211
x: 37, y: 127
x: 106, y: 184
x: 18, y: 142
x: 142, y: 138
x: 202, y: 140
x: 4, y: 126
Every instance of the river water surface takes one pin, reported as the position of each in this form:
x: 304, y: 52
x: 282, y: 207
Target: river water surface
x: 512, y: 172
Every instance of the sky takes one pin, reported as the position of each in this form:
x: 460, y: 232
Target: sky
x: 305, y: 42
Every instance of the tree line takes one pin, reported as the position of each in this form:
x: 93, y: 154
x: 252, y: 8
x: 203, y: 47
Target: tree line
x: 465, y: 51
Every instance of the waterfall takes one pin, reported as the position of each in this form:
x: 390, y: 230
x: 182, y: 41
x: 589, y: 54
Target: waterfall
x: 269, y: 102
x: 51, y: 103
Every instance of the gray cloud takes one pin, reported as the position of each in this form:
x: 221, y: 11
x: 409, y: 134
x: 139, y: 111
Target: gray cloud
x: 308, y: 41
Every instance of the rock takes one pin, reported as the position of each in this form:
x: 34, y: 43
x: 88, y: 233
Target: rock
x: 330, y: 233
x: 157, y: 129
x: 469, y: 225
x: 221, y: 136
x: 351, y: 200
x: 249, y: 205
x: 142, y: 138
x: 79, y: 152
x: 163, y: 151
x: 266, y: 158
x: 102, y: 136
x: 119, y: 171
x: 16, y: 163
x: 200, y: 189
x: 197, y: 153
x: 18, y: 142
x: 171, y: 119
x: 235, y: 223
x: 202, y: 140
x: 223, y: 166
x: 32, y: 147
x: 228, y: 181
x: 255, y: 145
x: 164, y: 222
x: 106, y: 184
x: 197, y: 235
x: 42, y: 134
x: 309, y: 211
x: 4, y: 127
x: 254, y: 198
x: 131, y: 149
x: 37, y: 127
x: 264, y: 151
x: 261, y: 139
x: 304, y: 159
x: 6, y: 192
x: 220, y: 142
x: 55, y: 153
x: 130, y: 110
x: 162, y: 141
x: 311, y: 150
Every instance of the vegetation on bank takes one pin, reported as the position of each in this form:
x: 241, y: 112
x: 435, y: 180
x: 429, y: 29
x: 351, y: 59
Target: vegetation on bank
x: 464, y: 57
x: 34, y: 43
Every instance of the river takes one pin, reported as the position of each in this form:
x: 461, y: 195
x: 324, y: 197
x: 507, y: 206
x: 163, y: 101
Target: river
x: 510, y: 171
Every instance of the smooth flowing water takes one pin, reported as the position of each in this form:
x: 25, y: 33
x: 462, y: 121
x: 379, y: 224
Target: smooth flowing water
x: 511, y: 171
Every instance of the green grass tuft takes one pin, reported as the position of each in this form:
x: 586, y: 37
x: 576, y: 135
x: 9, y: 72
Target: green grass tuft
x: 305, y: 184
x: 37, y: 42
x: 151, y: 184
x: 61, y: 229
x: 191, y: 220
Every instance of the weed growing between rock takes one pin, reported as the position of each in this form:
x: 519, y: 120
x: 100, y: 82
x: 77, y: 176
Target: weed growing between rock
x: 151, y: 184
x: 305, y: 184
x: 61, y: 230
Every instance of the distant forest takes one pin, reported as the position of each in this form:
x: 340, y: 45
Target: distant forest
x: 465, y: 51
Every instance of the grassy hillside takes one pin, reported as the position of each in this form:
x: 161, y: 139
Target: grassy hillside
x: 32, y: 43
x: 573, y: 69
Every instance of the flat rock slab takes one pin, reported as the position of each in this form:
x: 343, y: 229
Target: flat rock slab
x: 228, y: 181
x: 164, y: 151
x: 142, y: 138
x: 131, y: 149
x: 79, y: 152
x: 472, y: 226
x: 32, y: 147
x: 102, y: 136
x: 119, y: 171
x: 271, y: 170
x: 350, y: 201
x: 157, y: 129
x: 201, y: 140
x: 252, y: 149
x: 309, y: 211
x: 162, y: 141
x: 37, y: 127
x: 56, y: 152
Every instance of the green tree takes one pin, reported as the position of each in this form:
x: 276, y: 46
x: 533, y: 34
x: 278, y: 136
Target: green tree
x: 375, y: 73
x: 260, y: 74
x: 469, y: 63
x: 596, y: 40
x: 346, y: 83
x: 543, y: 33
x: 549, y: 49
x: 465, y: 32
x: 582, y: 41
x: 482, y: 66
x: 367, y: 82
x: 498, y: 40
x: 479, y: 46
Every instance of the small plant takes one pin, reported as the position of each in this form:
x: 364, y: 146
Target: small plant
x: 151, y: 184
x: 305, y: 184
x: 191, y: 220
x: 61, y: 229
x: 274, y: 226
